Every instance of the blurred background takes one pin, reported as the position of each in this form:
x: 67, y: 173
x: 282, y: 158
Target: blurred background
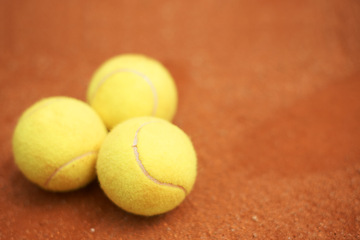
x: 269, y: 92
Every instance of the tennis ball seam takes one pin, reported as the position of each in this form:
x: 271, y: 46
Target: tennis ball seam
x: 143, y: 76
x: 66, y: 164
x: 44, y: 105
x: 137, y: 157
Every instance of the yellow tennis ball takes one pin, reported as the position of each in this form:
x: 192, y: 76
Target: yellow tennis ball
x: 147, y: 166
x: 56, y: 141
x: 132, y: 85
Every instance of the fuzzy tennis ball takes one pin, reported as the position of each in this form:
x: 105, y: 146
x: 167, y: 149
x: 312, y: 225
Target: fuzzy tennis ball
x: 132, y: 85
x: 147, y: 166
x: 56, y: 142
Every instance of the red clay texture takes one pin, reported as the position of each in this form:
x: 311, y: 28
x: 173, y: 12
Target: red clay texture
x: 269, y: 92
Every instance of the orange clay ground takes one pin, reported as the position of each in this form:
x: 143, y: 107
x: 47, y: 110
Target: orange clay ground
x: 269, y: 92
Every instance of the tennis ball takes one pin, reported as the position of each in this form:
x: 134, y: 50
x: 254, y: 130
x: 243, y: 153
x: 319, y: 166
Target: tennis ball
x: 147, y: 166
x: 56, y: 141
x: 132, y: 85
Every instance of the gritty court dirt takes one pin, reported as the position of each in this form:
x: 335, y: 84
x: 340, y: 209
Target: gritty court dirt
x: 269, y: 92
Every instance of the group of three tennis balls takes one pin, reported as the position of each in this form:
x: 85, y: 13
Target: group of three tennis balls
x: 145, y: 164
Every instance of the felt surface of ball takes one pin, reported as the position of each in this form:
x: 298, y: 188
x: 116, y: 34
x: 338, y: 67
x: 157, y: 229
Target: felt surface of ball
x: 147, y: 166
x: 132, y: 85
x: 56, y: 142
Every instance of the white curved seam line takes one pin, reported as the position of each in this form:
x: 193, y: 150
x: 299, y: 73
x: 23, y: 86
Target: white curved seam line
x: 67, y: 163
x: 136, y: 152
x: 33, y: 111
x: 143, y: 76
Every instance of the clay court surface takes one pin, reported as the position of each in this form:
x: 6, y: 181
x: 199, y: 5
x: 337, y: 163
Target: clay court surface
x: 269, y: 92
